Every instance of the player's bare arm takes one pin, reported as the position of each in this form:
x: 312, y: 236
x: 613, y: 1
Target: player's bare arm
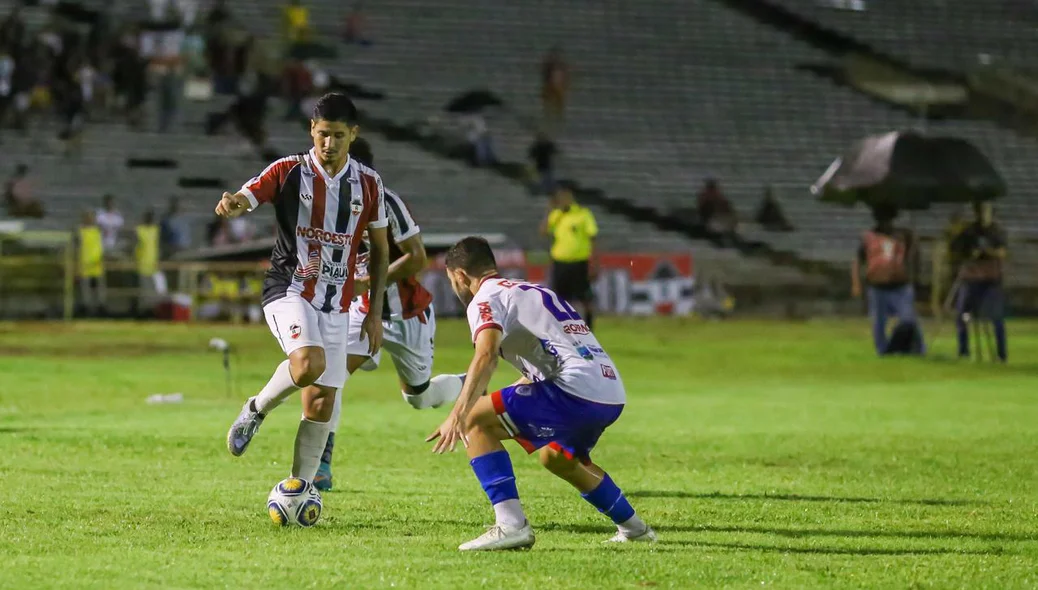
x: 481, y: 369
x: 378, y: 271
x: 231, y: 206
x: 412, y: 261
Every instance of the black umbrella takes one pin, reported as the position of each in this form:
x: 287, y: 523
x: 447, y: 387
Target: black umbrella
x: 910, y: 171
x: 473, y: 101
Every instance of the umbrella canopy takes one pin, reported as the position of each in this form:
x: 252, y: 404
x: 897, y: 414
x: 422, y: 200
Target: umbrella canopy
x: 910, y: 171
x: 473, y: 101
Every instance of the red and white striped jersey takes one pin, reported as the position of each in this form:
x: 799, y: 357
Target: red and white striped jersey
x: 406, y: 298
x: 320, y: 220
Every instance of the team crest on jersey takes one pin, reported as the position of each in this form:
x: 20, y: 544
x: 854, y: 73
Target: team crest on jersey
x: 608, y: 372
x: 312, y: 269
x: 356, y: 207
x: 294, y: 331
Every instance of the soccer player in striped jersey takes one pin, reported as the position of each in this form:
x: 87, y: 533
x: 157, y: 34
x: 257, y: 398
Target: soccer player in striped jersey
x: 569, y: 394
x: 408, y: 320
x: 323, y: 203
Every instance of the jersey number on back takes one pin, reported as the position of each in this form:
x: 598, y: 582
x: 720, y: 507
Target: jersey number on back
x: 556, y: 306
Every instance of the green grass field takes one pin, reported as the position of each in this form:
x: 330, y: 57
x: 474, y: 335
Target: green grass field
x: 765, y: 454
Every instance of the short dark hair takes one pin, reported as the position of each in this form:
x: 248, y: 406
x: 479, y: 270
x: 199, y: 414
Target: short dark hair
x: 360, y: 150
x: 472, y: 255
x: 335, y: 107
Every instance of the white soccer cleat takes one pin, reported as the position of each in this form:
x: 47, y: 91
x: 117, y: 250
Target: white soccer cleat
x: 244, y: 428
x: 500, y: 538
x: 649, y: 536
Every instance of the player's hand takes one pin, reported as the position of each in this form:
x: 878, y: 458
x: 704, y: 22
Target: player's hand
x: 232, y: 205
x: 361, y: 284
x: 449, y: 433
x: 371, y: 328
x: 855, y: 291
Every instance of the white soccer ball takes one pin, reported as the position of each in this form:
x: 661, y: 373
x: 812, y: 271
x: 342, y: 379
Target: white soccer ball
x: 294, y: 501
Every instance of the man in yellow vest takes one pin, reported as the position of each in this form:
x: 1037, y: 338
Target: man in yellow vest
x: 91, y: 252
x: 149, y: 277
x: 573, y: 231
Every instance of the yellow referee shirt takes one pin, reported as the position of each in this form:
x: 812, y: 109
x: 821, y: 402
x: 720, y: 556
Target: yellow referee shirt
x: 91, y: 252
x: 147, y: 252
x: 572, y: 231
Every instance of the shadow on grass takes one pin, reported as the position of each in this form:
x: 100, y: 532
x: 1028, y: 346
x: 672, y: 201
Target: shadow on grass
x: 14, y: 429
x: 798, y: 533
x: 797, y: 498
x: 831, y: 550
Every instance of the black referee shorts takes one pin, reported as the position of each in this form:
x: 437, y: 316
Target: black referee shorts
x: 571, y: 280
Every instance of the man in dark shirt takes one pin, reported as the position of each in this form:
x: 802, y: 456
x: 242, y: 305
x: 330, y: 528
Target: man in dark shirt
x: 886, y: 253
x: 981, y: 247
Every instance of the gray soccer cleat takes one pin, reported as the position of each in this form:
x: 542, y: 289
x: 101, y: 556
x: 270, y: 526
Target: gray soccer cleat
x: 500, y: 537
x: 244, y: 428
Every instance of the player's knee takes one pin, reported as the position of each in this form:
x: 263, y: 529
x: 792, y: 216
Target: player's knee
x: 307, y: 365
x: 557, y: 462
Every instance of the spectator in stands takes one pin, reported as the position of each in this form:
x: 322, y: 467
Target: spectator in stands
x: 715, y: 211
x: 354, y: 30
x: 573, y: 231
x: 18, y: 195
x: 542, y: 155
x: 555, y: 79
x: 480, y: 141
x: 887, y: 252
x: 7, y: 68
x: 111, y: 222
x: 90, y: 247
x: 981, y: 247
x: 130, y: 76
x: 770, y: 215
x: 12, y: 30
x: 175, y: 230
x: 296, y: 22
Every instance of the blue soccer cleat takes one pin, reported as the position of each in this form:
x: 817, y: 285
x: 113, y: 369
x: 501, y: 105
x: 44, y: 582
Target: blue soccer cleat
x: 323, y: 479
x: 244, y: 428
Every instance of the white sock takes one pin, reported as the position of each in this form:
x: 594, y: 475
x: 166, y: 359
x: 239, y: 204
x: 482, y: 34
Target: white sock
x: 510, y: 514
x: 336, y: 411
x: 311, y: 439
x: 633, y: 527
x: 442, y: 389
x: 277, y: 389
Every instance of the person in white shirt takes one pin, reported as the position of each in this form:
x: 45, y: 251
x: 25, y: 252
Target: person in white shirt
x: 570, y: 393
x: 111, y: 223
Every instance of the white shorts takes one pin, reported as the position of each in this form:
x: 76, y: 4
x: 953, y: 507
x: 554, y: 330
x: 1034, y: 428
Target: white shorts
x: 409, y: 342
x: 296, y: 323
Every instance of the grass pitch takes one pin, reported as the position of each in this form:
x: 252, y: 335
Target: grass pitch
x: 765, y: 454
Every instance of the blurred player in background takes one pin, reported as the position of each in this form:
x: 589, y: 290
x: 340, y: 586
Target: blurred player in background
x: 981, y: 247
x: 569, y: 394
x: 408, y: 320
x: 573, y: 231
x: 323, y: 202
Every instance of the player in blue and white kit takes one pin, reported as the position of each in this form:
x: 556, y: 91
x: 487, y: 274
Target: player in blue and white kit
x: 569, y: 394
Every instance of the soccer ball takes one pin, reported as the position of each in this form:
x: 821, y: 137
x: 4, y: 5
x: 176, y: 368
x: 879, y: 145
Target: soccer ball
x: 294, y: 501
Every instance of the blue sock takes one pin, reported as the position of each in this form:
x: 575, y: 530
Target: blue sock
x: 610, y: 501
x: 495, y: 474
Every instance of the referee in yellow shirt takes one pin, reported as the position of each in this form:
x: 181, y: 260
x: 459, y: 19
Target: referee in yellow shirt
x: 573, y: 231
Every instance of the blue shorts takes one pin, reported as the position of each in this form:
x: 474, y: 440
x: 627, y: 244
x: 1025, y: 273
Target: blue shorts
x: 539, y: 414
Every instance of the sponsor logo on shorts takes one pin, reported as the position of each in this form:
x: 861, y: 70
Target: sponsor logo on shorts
x: 328, y: 238
x: 294, y: 331
x: 485, y: 313
x: 422, y: 367
x: 541, y: 431
x: 523, y: 390
x: 580, y: 328
x: 608, y: 372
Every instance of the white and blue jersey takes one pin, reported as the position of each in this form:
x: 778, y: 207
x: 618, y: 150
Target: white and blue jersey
x: 576, y: 391
x: 545, y: 338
